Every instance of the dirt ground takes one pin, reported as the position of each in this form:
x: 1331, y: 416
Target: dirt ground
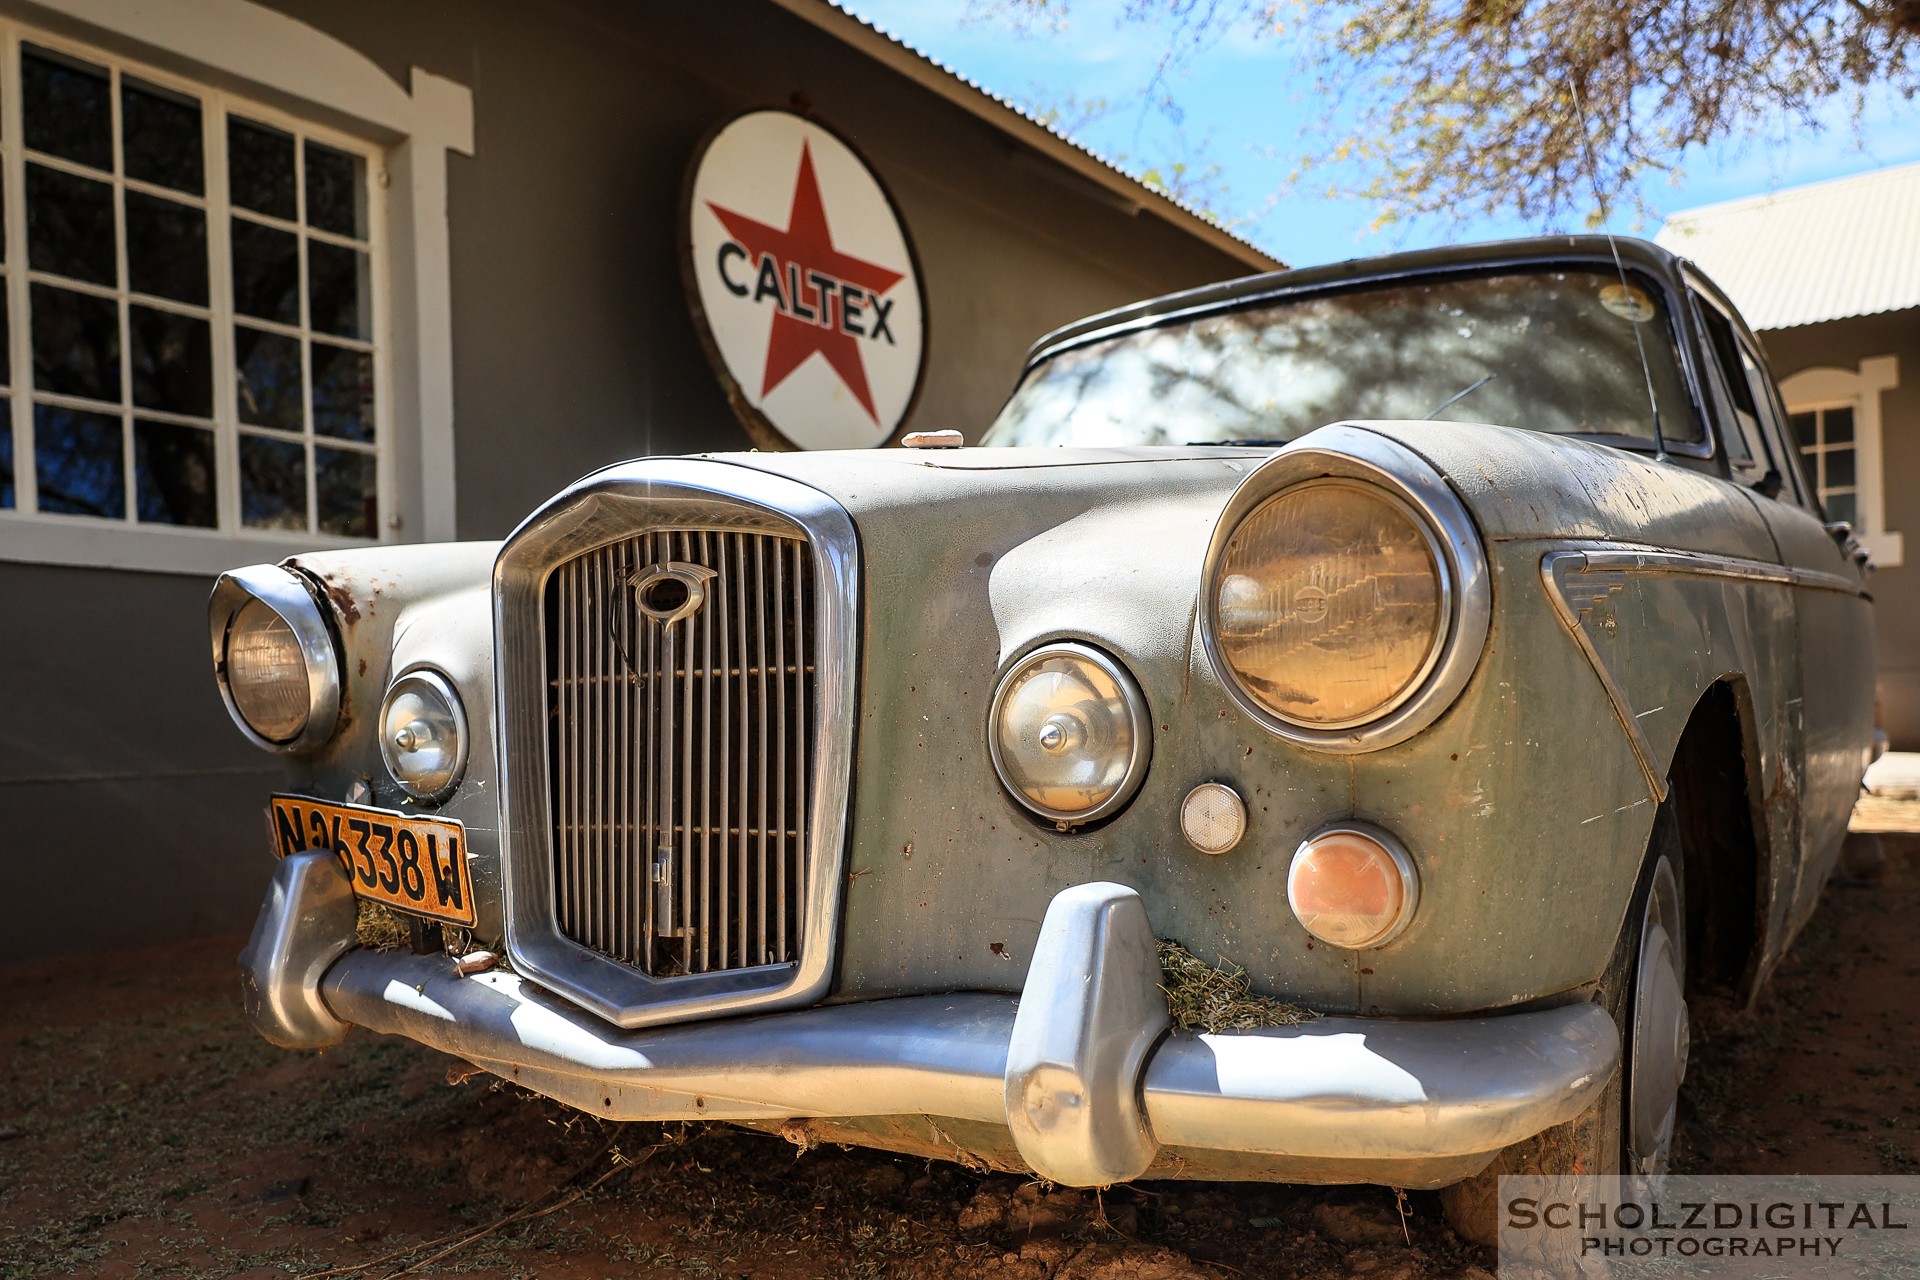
x: 145, y: 1131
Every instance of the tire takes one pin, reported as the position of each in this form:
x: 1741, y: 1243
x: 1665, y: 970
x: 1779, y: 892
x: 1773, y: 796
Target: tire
x: 1629, y: 1128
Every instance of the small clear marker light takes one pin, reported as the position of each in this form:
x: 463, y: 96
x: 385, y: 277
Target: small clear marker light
x: 1213, y: 817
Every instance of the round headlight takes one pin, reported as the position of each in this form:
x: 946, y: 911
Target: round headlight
x: 268, y: 673
x: 1069, y: 733
x: 274, y: 658
x: 1331, y: 603
x: 1353, y: 886
x: 423, y: 734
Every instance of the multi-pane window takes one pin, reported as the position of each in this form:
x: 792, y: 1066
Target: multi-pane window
x: 1826, y: 439
x: 191, y: 306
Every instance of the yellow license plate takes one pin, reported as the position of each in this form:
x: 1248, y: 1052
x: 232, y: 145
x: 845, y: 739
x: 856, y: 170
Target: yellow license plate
x: 413, y: 864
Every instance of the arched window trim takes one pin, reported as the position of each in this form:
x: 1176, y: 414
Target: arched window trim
x: 1858, y: 389
x: 250, y: 50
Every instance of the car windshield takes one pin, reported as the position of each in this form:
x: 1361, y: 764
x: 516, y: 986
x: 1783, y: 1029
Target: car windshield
x: 1556, y: 351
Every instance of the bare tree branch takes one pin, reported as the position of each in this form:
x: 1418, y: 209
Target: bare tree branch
x: 1551, y: 110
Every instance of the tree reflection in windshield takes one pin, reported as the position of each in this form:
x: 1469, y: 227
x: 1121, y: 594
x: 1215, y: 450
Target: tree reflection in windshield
x: 1553, y: 351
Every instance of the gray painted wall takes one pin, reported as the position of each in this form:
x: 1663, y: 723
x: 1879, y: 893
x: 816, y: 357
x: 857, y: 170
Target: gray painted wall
x: 1844, y: 344
x: 130, y: 807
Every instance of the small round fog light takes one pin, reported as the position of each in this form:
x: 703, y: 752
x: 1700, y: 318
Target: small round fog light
x: 1353, y: 886
x: 1069, y: 733
x: 1213, y: 818
x: 423, y: 734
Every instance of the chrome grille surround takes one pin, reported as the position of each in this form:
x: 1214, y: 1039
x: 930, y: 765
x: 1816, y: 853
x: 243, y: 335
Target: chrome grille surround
x: 620, y: 506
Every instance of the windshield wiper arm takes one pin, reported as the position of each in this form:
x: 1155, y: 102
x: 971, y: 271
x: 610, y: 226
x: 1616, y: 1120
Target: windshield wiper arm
x: 1240, y: 444
x: 1458, y: 396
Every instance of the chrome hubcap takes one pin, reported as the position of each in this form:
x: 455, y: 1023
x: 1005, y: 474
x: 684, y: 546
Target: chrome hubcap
x: 1661, y: 1037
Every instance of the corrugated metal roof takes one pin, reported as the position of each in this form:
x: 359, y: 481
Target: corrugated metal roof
x: 1848, y: 247
x: 1129, y: 187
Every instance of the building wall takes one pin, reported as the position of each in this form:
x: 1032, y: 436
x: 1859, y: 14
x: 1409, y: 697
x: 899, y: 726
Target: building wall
x: 131, y: 806
x: 1843, y: 344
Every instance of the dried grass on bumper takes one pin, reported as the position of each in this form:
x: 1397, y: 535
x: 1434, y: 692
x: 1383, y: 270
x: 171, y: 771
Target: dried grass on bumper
x: 1202, y: 997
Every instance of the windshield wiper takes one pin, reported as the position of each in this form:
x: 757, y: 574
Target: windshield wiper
x: 1458, y: 396
x: 1240, y: 444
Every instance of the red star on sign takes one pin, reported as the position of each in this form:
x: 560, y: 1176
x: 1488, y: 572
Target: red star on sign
x: 809, y: 281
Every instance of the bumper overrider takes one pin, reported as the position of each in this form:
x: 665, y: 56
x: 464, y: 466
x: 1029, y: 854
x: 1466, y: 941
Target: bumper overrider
x: 1079, y: 1079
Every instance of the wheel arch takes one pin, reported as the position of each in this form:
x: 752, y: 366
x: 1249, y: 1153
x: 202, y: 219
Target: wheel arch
x: 1726, y: 843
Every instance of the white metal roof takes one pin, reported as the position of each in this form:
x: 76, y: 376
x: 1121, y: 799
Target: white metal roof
x: 1847, y: 247
x: 1124, y: 188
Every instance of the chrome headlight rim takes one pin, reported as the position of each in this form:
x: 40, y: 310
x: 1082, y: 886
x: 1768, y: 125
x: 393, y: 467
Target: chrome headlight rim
x: 287, y: 594
x: 1138, y: 759
x: 443, y: 686
x: 1353, y: 455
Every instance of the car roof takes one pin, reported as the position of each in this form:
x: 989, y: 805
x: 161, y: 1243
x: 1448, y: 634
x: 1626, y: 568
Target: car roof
x: 1628, y: 251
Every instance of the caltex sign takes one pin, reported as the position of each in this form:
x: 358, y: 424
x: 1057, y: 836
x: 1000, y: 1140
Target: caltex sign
x: 804, y: 285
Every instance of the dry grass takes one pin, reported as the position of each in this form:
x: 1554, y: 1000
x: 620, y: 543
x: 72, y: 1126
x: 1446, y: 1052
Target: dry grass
x: 1202, y: 997
x: 381, y: 928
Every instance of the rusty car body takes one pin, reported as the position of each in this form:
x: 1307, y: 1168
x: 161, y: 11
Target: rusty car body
x: 848, y: 795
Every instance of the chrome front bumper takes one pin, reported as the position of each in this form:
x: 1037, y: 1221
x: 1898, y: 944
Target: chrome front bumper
x: 1079, y: 1079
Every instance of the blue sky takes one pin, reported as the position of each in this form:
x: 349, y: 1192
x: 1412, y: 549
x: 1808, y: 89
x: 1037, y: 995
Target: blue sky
x: 1247, y: 112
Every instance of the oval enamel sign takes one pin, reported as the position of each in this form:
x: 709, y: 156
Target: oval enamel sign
x: 804, y: 285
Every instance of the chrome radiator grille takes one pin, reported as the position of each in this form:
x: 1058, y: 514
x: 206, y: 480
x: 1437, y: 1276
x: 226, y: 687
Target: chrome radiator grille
x: 680, y: 749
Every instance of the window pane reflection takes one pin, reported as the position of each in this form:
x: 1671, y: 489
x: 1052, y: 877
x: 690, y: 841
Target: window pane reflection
x: 76, y: 344
x: 342, y: 392
x: 336, y: 191
x: 1840, y: 468
x: 174, y: 474
x: 6, y: 453
x: 77, y: 462
x: 160, y: 136
x: 346, y: 491
x: 166, y: 249
x: 268, y: 372
x: 273, y: 483
x: 67, y: 106
x: 337, y: 289
x: 172, y: 362
x: 260, y: 168
x: 70, y: 226
x: 266, y: 272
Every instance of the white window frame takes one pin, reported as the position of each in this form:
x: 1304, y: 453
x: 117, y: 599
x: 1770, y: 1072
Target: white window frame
x: 275, y: 69
x: 1857, y: 389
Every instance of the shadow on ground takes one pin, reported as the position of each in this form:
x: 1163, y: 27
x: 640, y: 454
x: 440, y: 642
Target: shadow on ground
x: 144, y: 1131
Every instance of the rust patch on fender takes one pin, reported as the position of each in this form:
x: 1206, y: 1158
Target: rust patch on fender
x: 343, y: 602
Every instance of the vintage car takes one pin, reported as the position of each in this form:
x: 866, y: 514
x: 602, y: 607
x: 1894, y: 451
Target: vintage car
x: 1451, y: 641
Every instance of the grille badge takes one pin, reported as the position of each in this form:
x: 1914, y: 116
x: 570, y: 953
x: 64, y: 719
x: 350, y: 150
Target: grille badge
x: 671, y: 590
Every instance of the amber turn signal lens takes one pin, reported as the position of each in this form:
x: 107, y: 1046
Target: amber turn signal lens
x: 1330, y: 604
x: 1352, y: 887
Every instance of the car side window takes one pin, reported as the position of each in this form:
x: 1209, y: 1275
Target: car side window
x: 1773, y: 426
x: 1740, y: 420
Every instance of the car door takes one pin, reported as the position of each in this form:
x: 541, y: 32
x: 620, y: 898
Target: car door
x: 1833, y: 612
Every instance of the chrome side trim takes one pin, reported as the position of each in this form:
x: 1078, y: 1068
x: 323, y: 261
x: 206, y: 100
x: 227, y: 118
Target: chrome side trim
x: 1349, y: 452
x: 1609, y: 556
x: 304, y: 925
x: 1574, y: 603
x: 1576, y: 580
x: 607, y: 507
x: 287, y: 594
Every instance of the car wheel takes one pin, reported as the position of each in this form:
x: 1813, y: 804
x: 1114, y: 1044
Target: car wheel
x: 1629, y: 1128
